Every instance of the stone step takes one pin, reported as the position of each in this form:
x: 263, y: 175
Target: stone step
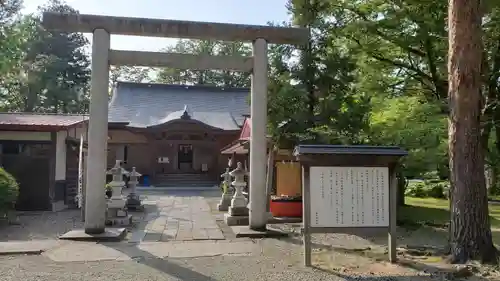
x: 185, y: 179
x: 184, y: 183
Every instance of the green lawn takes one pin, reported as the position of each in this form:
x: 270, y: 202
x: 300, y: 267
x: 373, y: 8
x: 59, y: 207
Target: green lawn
x: 436, y: 212
x: 494, y: 197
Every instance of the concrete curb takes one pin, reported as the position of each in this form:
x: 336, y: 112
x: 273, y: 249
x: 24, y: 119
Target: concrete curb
x: 34, y: 247
x: 21, y: 252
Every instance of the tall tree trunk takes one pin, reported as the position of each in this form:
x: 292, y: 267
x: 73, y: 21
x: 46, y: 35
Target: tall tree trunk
x: 470, y: 230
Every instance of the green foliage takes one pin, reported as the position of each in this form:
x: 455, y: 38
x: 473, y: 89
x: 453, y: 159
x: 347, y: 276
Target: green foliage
x: 210, y: 77
x: 313, y: 96
x: 415, y: 125
x: 430, y: 186
x: 43, y: 71
x: 9, y: 191
x: 416, y: 189
x: 223, y: 187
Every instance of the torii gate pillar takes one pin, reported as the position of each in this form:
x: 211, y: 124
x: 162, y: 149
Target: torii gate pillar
x: 95, y: 202
x: 258, y: 144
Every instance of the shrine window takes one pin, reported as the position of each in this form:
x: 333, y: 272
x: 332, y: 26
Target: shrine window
x: 11, y: 148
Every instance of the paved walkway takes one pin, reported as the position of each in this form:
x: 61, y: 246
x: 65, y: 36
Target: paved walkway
x: 176, y: 218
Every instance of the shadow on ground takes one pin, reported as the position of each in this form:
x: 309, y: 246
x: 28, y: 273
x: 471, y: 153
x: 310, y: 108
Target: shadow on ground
x: 161, y: 264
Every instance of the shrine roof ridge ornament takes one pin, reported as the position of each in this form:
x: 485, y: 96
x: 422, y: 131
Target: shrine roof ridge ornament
x: 312, y: 149
x: 74, y: 22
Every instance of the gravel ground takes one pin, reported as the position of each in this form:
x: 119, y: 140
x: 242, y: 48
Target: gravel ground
x: 279, y: 260
x: 41, y: 225
x: 424, y: 236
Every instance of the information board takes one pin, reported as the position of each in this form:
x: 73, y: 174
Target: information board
x: 349, y: 196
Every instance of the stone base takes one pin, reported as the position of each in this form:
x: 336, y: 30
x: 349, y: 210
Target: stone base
x: 245, y: 231
x: 224, y: 203
x: 235, y: 220
x: 222, y: 207
x: 238, y: 211
x: 116, y: 212
x: 134, y: 203
x: 121, y: 221
x: 109, y: 234
x: 116, y: 203
x: 58, y: 206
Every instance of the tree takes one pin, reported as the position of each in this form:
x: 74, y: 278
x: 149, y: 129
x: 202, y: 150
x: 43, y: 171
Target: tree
x: 44, y: 71
x: 417, y: 126
x: 66, y: 73
x: 471, y: 236
x: 9, y: 10
x: 11, y: 34
x: 312, y: 97
x: 128, y: 73
x: 210, y: 77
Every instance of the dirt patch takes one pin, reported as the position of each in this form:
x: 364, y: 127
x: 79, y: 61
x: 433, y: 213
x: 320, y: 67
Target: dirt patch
x: 420, y: 254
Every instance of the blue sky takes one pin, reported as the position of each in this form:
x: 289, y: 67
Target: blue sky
x: 227, y: 11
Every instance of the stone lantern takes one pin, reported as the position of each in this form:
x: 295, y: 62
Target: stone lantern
x: 239, y: 203
x: 238, y: 211
x: 227, y: 194
x: 116, y: 211
x: 133, y: 199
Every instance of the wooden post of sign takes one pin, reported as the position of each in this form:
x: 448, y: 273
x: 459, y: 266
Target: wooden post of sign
x: 306, y: 215
x: 393, y: 191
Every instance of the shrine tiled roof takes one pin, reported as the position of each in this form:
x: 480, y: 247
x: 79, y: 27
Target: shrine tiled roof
x: 144, y: 105
x: 38, y: 121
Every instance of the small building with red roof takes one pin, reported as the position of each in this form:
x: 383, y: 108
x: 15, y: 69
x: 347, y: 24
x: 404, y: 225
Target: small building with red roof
x: 41, y: 151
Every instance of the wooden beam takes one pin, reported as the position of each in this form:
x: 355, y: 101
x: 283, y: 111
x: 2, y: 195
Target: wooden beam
x: 180, y: 61
x: 174, y: 28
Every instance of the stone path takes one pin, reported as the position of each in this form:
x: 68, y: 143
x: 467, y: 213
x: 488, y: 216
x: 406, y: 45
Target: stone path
x: 176, y: 218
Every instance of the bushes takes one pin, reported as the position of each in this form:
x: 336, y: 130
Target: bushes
x: 9, y: 191
x: 428, y: 188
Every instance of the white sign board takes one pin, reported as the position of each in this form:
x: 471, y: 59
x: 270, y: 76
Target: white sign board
x: 349, y: 196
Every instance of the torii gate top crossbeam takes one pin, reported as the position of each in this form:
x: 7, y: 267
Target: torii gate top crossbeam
x: 173, y: 28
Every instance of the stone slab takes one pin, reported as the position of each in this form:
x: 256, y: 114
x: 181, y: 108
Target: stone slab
x: 245, y: 231
x: 169, y: 234
x: 235, y: 220
x: 119, y: 221
x: 238, y: 211
x: 34, y: 247
x: 139, y: 233
x: 192, y: 249
x: 109, y: 234
x: 215, y: 234
x: 82, y: 252
x: 199, y: 234
x: 152, y: 236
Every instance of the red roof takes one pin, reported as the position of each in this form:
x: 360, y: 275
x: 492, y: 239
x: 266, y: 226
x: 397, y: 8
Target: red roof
x: 246, y: 129
x: 38, y: 121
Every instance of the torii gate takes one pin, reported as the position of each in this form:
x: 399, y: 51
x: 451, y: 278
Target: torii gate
x: 103, y: 57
